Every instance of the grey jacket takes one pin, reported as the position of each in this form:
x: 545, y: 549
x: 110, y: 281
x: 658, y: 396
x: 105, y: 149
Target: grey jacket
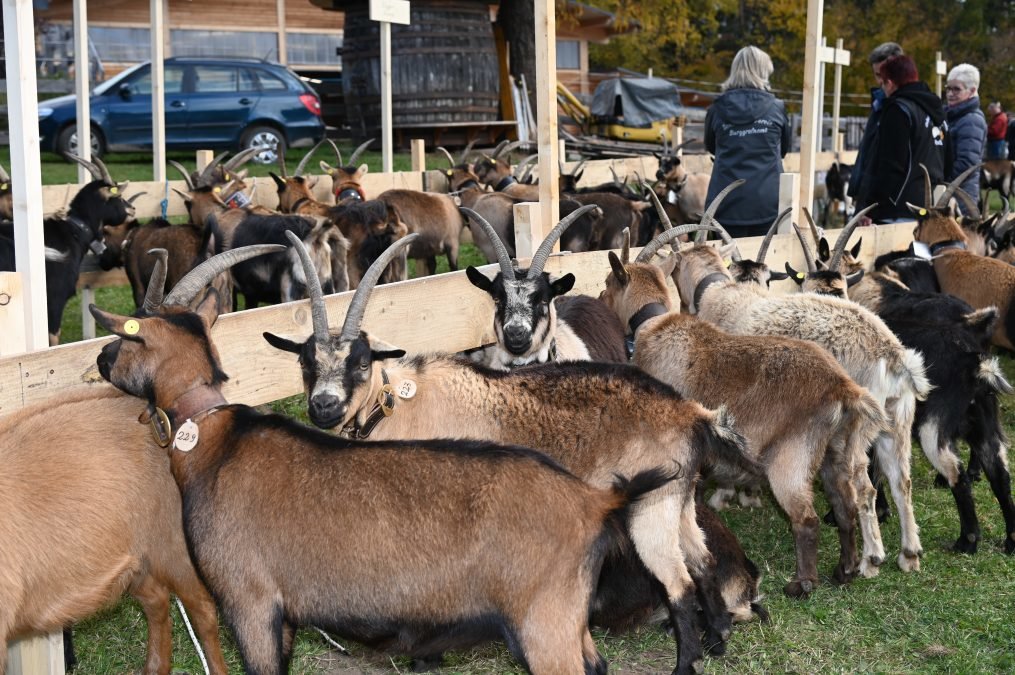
x: 966, y: 140
x: 749, y: 134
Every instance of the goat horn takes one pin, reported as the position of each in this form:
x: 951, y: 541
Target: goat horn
x: 468, y: 149
x: 4, y: 176
x: 135, y: 196
x: 663, y: 218
x: 709, y: 216
x: 816, y: 231
x: 625, y: 251
x: 808, y: 255
x: 767, y: 241
x: 970, y: 204
x: 663, y: 238
x: 185, y: 196
x: 183, y: 172
x: 529, y: 163
x: 953, y: 186
x: 359, y: 151
x: 202, y: 275
x: 840, y: 243
x: 92, y: 168
x: 447, y: 155
x: 500, y: 148
x: 280, y: 153
x: 106, y: 176
x: 205, y: 176
x: 303, y: 162
x: 358, y: 305
x: 239, y: 159
x: 928, y: 189
x: 157, y: 281
x: 318, y: 311
x: 542, y: 254
x: 508, y: 149
x: 506, y: 268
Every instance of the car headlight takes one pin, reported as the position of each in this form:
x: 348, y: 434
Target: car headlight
x: 45, y: 112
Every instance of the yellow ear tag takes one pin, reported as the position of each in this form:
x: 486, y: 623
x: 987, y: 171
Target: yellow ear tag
x: 114, y: 190
x: 800, y: 275
x: 448, y: 174
x: 217, y: 189
x: 3, y: 186
x: 923, y: 212
x: 131, y: 327
x: 726, y: 262
x: 226, y: 176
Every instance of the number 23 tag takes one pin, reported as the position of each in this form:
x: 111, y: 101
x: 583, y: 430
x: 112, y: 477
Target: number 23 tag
x: 186, y: 437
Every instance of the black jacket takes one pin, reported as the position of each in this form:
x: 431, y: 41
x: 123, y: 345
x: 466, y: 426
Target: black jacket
x: 859, y: 179
x: 748, y: 132
x: 910, y: 132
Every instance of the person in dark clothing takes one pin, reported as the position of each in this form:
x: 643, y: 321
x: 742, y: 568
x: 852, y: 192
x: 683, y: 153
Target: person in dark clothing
x: 967, y: 128
x: 747, y: 130
x: 1011, y: 137
x: 859, y: 180
x: 910, y: 133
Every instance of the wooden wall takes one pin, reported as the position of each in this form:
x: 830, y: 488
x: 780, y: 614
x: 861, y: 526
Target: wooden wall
x: 259, y: 15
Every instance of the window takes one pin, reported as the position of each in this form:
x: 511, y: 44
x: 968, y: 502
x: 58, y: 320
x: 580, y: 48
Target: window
x: 221, y: 43
x: 212, y: 79
x: 317, y: 49
x: 121, y: 45
x: 270, y: 82
x: 569, y: 55
x: 142, y: 86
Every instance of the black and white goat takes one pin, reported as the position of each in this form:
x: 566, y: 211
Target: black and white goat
x: 533, y: 320
x: 97, y: 206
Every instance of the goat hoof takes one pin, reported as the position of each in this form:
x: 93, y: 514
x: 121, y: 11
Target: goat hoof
x: 966, y: 544
x: 798, y: 588
x: 883, y: 515
x: 909, y: 563
x: 423, y: 664
x: 714, y: 645
x: 870, y: 567
x: 842, y: 576
x: 940, y: 481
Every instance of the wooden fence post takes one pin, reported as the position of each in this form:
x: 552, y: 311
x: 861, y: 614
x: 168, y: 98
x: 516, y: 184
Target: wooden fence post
x: 789, y: 198
x: 87, y: 320
x: 12, y: 315
x: 528, y: 229
x: 417, y: 148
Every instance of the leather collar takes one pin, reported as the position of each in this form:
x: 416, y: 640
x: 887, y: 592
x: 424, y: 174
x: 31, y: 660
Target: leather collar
x: 644, y: 314
x: 193, y: 405
x: 299, y: 203
x: 384, y: 406
x: 505, y: 183
x: 467, y: 184
x: 946, y: 245
x: 699, y: 290
x: 91, y: 240
x: 349, y: 191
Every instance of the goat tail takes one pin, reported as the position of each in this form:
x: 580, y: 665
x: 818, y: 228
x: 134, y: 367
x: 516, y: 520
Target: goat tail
x: 868, y: 420
x: 723, y: 448
x: 990, y: 373
x: 912, y: 362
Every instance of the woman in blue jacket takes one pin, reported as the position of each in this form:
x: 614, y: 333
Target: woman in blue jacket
x: 747, y: 130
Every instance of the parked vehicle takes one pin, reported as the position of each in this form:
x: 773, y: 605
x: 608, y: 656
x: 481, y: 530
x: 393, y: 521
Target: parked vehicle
x: 210, y: 103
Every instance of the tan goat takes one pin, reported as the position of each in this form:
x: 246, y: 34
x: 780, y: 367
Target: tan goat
x: 90, y: 511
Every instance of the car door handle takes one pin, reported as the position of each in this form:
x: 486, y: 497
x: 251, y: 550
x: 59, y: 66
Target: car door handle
x: 178, y: 104
x: 245, y: 101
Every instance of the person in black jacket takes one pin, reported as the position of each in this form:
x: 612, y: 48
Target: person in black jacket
x: 747, y: 130
x: 910, y: 133
x: 859, y: 179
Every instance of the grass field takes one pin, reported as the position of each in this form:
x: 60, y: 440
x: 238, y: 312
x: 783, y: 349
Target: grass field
x: 954, y: 616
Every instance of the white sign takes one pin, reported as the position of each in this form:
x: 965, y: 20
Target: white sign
x: 391, y: 11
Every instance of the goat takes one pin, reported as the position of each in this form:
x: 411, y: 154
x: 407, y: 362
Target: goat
x: 997, y: 175
x: 527, y: 535
x: 955, y: 340
x: 435, y: 218
x: 571, y: 411
x: 829, y: 422
x: 345, y: 178
x: 6, y: 197
x: 980, y: 281
x: 827, y: 279
x: 686, y: 191
x: 526, y: 318
x: 97, y: 206
x: 217, y: 174
x: 836, y: 184
x: 90, y: 512
x: 856, y: 337
x: 369, y: 227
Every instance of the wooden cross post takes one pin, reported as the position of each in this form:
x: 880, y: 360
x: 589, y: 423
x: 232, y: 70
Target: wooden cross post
x: 546, y: 115
x: 821, y: 93
x: 809, y: 122
x: 940, y: 70
x: 387, y: 12
x: 840, y: 57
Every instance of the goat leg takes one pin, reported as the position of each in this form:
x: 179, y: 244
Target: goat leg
x: 154, y: 599
x: 842, y: 497
x: 996, y: 469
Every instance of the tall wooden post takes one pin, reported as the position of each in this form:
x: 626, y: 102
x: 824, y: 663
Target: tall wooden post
x: 158, y: 48
x: 387, y: 12
x: 940, y: 72
x: 809, y: 112
x: 841, y: 58
x: 546, y: 114
x: 82, y: 87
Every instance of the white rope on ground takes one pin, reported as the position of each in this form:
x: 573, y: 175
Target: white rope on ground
x: 193, y: 638
x: 332, y: 642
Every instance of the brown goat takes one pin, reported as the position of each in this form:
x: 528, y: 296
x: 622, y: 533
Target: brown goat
x: 435, y: 217
x: 982, y: 282
x: 267, y: 500
x: 597, y: 419
x: 91, y: 511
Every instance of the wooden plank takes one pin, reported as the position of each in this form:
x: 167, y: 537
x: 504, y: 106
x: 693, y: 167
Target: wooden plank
x: 811, y: 123
x: 12, y: 315
x: 158, y: 80
x: 41, y: 655
x: 82, y: 86
x: 412, y: 314
x: 545, y: 21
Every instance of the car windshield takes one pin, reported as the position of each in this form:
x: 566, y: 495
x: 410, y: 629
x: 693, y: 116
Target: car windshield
x: 103, y: 87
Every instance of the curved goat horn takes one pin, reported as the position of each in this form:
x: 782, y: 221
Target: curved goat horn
x: 303, y: 162
x: 444, y: 151
x: 92, y: 168
x: 542, y: 254
x: 157, y: 281
x: 953, y: 186
x: 204, y: 178
x: 359, y: 151
x: 319, y: 312
x: 507, y: 149
x: 660, y: 211
x: 134, y: 197
x: 816, y: 231
x: 503, y: 257
x: 183, y: 172
x: 239, y: 159
x: 668, y: 236
x: 928, y: 189
x: 495, y: 153
x: 709, y: 216
x: 465, y: 153
x: 280, y: 152
x: 840, y: 243
x: 196, y: 279
x: 4, y: 176
x: 812, y: 267
x: 358, y: 305
x: 767, y: 241
x: 106, y: 176
x: 625, y: 252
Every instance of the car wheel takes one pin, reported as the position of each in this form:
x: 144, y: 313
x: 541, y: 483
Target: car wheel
x: 67, y: 142
x: 268, y: 139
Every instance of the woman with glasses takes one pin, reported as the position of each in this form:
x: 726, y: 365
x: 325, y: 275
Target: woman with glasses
x: 967, y: 127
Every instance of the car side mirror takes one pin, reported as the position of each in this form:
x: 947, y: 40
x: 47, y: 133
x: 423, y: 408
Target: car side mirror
x: 126, y: 92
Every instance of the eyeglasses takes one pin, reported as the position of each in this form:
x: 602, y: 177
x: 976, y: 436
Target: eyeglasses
x: 956, y: 90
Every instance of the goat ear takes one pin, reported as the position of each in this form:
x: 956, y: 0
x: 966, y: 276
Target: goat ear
x: 478, y: 279
x: 727, y: 250
x: 562, y: 285
x: 855, y: 251
x: 918, y: 211
x: 278, y: 181
x: 774, y: 275
x: 122, y: 326
x: 360, y: 172
x: 618, y: 269
x: 668, y: 264
x: 208, y: 308
x: 381, y: 350
x: 824, y: 251
x: 327, y: 168
x: 282, y: 343
x: 798, y: 277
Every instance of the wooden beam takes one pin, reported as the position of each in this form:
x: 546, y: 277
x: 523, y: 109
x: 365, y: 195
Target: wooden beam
x: 789, y: 196
x: 283, y: 49
x: 841, y: 58
x: 12, y: 314
x: 546, y: 114
x: 810, y: 131
x: 940, y: 72
x: 158, y: 55
x: 26, y: 190
x: 82, y: 87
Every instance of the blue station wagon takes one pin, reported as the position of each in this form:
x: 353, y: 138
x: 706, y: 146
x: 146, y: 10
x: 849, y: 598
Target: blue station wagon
x: 211, y: 103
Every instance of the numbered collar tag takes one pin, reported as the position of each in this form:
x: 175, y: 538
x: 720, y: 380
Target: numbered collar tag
x: 406, y: 389
x: 186, y: 436
x: 921, y: 250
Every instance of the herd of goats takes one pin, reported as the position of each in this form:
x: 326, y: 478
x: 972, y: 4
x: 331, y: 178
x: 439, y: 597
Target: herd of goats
x: 595, y: 422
